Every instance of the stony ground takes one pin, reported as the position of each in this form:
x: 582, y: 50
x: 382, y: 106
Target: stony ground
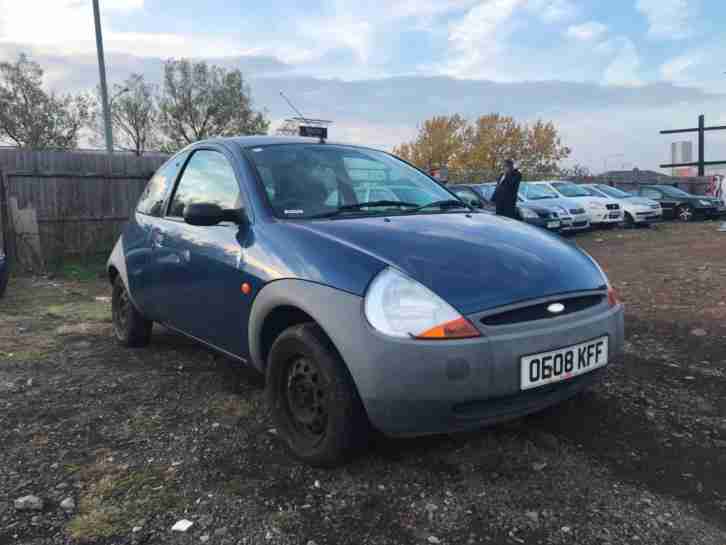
x: 120, y: 445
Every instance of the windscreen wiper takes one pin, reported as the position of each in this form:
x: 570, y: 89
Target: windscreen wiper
x: 368, y: 204
x: 443, y: 205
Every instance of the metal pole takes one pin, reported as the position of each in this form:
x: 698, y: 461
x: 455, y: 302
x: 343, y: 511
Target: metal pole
x: 701, y: 141
x: 102, y: 73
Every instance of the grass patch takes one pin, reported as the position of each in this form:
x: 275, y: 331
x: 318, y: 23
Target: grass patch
x: 84, y: 269
x: 141, y: 423
x: 114, y: 498
x: 81, y: 311
x: 285, y: 521
x: 231, y: 407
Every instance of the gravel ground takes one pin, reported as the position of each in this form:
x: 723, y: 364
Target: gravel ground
x: 120, y: 445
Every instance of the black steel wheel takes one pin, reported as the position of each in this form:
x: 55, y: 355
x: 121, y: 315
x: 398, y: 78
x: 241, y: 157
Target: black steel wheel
x: 684, y: 213
x: 315, y: 404
x: 129, y: 326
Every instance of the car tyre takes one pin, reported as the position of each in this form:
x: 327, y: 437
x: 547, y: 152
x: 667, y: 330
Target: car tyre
x: 315, y: 404
x: 4, y: 276
x: 684, y: 213
x: 629, y: 221
x: 129, y: 326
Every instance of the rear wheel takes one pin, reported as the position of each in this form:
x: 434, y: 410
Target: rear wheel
x: 129, y: 326
x: 315, y: 404
x: 684, y: 213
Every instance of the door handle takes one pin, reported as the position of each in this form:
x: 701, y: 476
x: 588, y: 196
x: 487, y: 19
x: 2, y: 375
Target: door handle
x: 157, y: 240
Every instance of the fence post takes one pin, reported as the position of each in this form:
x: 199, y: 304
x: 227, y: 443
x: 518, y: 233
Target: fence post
x: 7, y: 238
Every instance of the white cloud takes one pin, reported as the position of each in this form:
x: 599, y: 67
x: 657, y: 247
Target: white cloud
x: 624, y: 68
x: 478, y: 37
x: 586, y: 32
x: 676, y: 69
x: 669, y: 19
x: 554, y: 11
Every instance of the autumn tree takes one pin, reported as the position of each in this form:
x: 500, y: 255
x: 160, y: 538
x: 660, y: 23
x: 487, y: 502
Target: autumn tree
x: 200, y: 101
x: 479, y: 148
x: 543, y: 150
x: 440, y: 140
x: 30, y: 117
x: 491, y: 139
x: 134, y: 116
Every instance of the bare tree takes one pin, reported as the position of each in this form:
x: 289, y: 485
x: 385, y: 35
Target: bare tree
x: 134, y: 116
x: 32, y: 118
x: 199, y: 101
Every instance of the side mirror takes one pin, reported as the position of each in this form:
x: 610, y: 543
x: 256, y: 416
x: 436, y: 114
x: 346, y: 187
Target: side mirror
x: 208, y: 214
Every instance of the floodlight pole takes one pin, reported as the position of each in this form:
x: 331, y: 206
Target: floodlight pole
x: 102, y: 73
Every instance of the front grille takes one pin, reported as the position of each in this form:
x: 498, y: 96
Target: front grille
x: 540, y: 312
x: 613, y: 206
x: 579, y: 224
x: 577, y: 211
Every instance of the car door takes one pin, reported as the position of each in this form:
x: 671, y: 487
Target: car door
x: 668, y: 205
x: 203, y: 266
x: 140, y: 232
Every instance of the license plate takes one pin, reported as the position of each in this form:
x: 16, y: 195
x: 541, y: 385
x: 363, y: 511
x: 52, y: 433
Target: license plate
x: 553, y: 224
x: 564, y: 363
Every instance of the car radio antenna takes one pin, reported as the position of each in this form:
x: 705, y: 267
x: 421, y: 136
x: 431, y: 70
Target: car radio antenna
x: 310, y: 128
x: 294, y: 109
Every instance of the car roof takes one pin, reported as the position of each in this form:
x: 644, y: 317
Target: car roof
x: 265, y: 140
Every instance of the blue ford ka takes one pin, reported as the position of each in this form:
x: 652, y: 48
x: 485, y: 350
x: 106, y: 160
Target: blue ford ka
x: 410, y: 314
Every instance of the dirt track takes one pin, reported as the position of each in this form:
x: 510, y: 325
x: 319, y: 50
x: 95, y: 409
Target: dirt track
x: 141, y: 439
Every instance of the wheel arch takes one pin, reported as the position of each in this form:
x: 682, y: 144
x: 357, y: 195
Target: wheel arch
x: 284, y: 303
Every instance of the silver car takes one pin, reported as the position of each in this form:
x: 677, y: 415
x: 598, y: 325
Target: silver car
x: 637, y: 210
x: 572, y: 214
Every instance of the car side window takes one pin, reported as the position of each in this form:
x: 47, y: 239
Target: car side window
x: 650, y: 193
x: 207, y: 178
x: 152, y: 199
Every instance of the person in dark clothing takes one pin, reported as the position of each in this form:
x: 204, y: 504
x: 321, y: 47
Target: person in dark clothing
x: 505, y: 195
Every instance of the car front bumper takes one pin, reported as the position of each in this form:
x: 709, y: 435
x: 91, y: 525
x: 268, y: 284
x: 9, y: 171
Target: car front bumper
x: 646, y: 215
x: 548, y: 224
x: 576, y: 223
x: 414, y: 387
x: 606, y: 216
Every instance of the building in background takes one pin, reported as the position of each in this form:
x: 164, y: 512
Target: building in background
x: 682, y: 152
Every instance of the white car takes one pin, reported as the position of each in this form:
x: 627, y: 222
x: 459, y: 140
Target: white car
x: 601, y: 212
x: 636, y: 210
x: 571, y: 213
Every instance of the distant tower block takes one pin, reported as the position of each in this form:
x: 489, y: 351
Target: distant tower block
x: 682, y: 152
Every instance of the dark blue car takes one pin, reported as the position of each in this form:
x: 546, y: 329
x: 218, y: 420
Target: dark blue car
x: 364, y: 290
x: 4, y: 272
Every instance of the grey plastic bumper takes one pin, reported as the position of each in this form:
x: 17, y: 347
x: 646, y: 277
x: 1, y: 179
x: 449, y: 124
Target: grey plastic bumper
x: 412, y: 387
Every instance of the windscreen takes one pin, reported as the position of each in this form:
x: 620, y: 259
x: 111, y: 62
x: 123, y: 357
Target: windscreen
x: 305, y: 181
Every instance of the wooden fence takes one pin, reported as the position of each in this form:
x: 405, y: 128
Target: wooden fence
x: 56, y: 204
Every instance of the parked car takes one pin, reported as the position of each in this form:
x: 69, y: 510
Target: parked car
x: 601, y: 212
x: 4, y: 272
x: 636, y: 210
x: 410, y: 317
x: 538, y: 216
x: 572, y: 214
x: 677, y: 204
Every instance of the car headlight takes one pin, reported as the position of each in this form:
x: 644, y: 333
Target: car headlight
x: 398, y: 306
x: 705, y: 203
x: 527, y: 213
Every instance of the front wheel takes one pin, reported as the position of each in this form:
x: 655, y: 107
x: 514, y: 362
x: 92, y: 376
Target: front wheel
x: 129, y: 326
x: 315, y: 404
x: 684, y: 213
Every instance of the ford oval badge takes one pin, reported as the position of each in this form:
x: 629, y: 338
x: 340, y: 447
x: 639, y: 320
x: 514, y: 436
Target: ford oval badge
x: 556, y: 308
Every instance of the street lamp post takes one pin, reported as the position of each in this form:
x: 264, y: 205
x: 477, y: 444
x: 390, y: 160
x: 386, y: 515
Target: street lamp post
x: 102, y: 73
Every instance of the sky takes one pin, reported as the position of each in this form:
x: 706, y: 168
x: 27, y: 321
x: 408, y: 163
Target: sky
x: 609, y: 74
